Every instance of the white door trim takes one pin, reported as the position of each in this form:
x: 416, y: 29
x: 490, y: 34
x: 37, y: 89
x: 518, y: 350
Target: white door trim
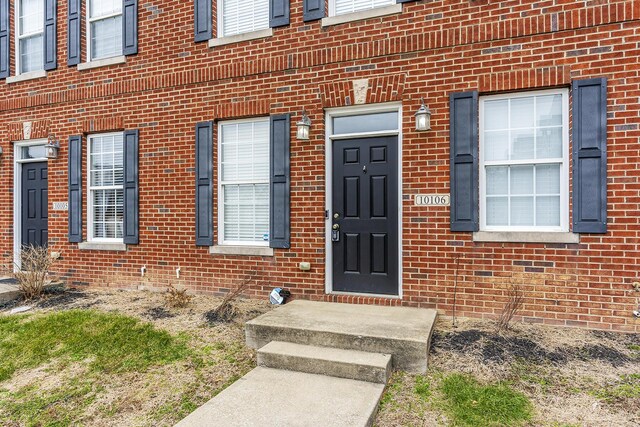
x: 17, y: 194
x: 329, y: 138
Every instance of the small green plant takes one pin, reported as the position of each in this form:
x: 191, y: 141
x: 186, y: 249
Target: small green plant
x: 423, y: 387
x: 469, y: 403
x: 176, y: 298
x: 393, y: 387
x: 627, y: 388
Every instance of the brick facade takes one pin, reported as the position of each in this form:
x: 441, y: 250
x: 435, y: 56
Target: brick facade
x: 430, y: 49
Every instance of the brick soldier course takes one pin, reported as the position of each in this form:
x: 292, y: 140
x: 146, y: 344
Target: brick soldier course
x: 430, y: 50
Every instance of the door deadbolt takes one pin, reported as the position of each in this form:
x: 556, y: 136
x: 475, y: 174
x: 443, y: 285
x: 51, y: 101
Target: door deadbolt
x: 336, y: 215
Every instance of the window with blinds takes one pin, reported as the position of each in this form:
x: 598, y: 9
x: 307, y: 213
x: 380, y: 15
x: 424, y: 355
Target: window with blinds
x: 106, y: 178
x: 30, y: 35
x: 524, y: 162
x: 104, y: 28
x: 340, y: 7
x: 242, y: 16
x: 243, y: 200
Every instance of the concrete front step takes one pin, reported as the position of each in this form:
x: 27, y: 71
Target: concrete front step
x: 268, y: 397
x: 402, y: 332
x: 335, y: 362
x: 8, y: 290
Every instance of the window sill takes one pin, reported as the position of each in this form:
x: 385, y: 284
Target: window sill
x: 97, y: 63
x: 97, y: 246
x: 27, y: 76
x: 525, y: 237
x: 253, y: 35
x: 358, y: 16
x: 241, y: 250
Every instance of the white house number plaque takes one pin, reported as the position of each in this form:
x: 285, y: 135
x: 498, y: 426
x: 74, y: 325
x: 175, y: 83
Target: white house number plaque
x: 432, y: 200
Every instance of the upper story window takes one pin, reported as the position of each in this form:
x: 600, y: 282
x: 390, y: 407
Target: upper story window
x: 30, y: 35
x: 244, y: 182
x: 104, y: 28
x: 341, y: 7
x: 524, y: 146
x: 106, y: 195
x: 242, y: 16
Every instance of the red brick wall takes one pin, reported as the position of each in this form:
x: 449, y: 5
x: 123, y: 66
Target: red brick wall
x: 431, y: 49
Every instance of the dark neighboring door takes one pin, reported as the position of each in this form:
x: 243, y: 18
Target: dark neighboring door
x: 35, y: 227
x: 365, y: 210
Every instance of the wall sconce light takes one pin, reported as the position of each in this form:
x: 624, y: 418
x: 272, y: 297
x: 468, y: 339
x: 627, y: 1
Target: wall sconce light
x: 52, y: 147
x: 423, y: 117
x: 304, y: 125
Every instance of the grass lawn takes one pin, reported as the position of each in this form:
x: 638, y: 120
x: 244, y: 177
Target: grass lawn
x: 530, y: 376
x: 119, y: 358
x: 113, y: 358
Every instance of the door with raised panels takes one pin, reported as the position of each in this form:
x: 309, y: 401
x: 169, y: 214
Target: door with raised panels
x: 364, y: 223
x: 35, y: 228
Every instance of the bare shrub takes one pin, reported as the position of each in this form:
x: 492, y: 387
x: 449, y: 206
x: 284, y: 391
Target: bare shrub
x: 34, y: 273
x: 511, y: 307
x: 176, y: 298
x: 226, y: 311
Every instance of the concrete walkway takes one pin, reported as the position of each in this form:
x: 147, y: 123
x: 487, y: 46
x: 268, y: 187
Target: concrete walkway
x: 8, y: 290
x: 274, y: 397
x: 320, y: 364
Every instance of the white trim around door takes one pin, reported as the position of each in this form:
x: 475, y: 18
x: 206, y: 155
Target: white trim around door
x: 330, y: 114
x: 19, y: 160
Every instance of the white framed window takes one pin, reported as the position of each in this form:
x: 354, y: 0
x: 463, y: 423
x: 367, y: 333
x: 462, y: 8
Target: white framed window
x: 524, y: 170
x: 29, y: 36
x: 106, y: 181
x: 341, y: 7
x: 104, y: 29
x: 243, y: 183
x: 242, y: 16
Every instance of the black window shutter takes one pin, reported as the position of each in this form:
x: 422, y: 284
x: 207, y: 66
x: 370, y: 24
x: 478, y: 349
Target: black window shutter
x: 313, y: 10
x: 129, y: 27
x: 280, y: 183
x: 203, y: 24
x: 75, y: 188
x: 74, y: 27
x: 405, y: 1
x: 590, y: 155
x: 463, y: 133
x: 204, y: 184
x: 278, y: 13
x: 5, y: 57
x: 131, y: 188
x: 50, y: 35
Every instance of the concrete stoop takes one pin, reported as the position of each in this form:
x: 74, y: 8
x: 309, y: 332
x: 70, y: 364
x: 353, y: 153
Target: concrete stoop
x: 8, y: 290
x: 402, y: 332
x: 321, y: 364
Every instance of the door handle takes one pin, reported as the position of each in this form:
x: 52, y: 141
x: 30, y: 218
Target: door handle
x: 336, y: 226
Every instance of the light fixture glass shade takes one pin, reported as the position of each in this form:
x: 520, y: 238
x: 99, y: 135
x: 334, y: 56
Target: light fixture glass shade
x: 423, y: 118
x: 52, y: 148
x: 303, y: 127
x: 303, y: 132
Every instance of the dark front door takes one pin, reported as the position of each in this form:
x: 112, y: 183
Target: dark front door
x: 365, y: 215
x: 34, y: 204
